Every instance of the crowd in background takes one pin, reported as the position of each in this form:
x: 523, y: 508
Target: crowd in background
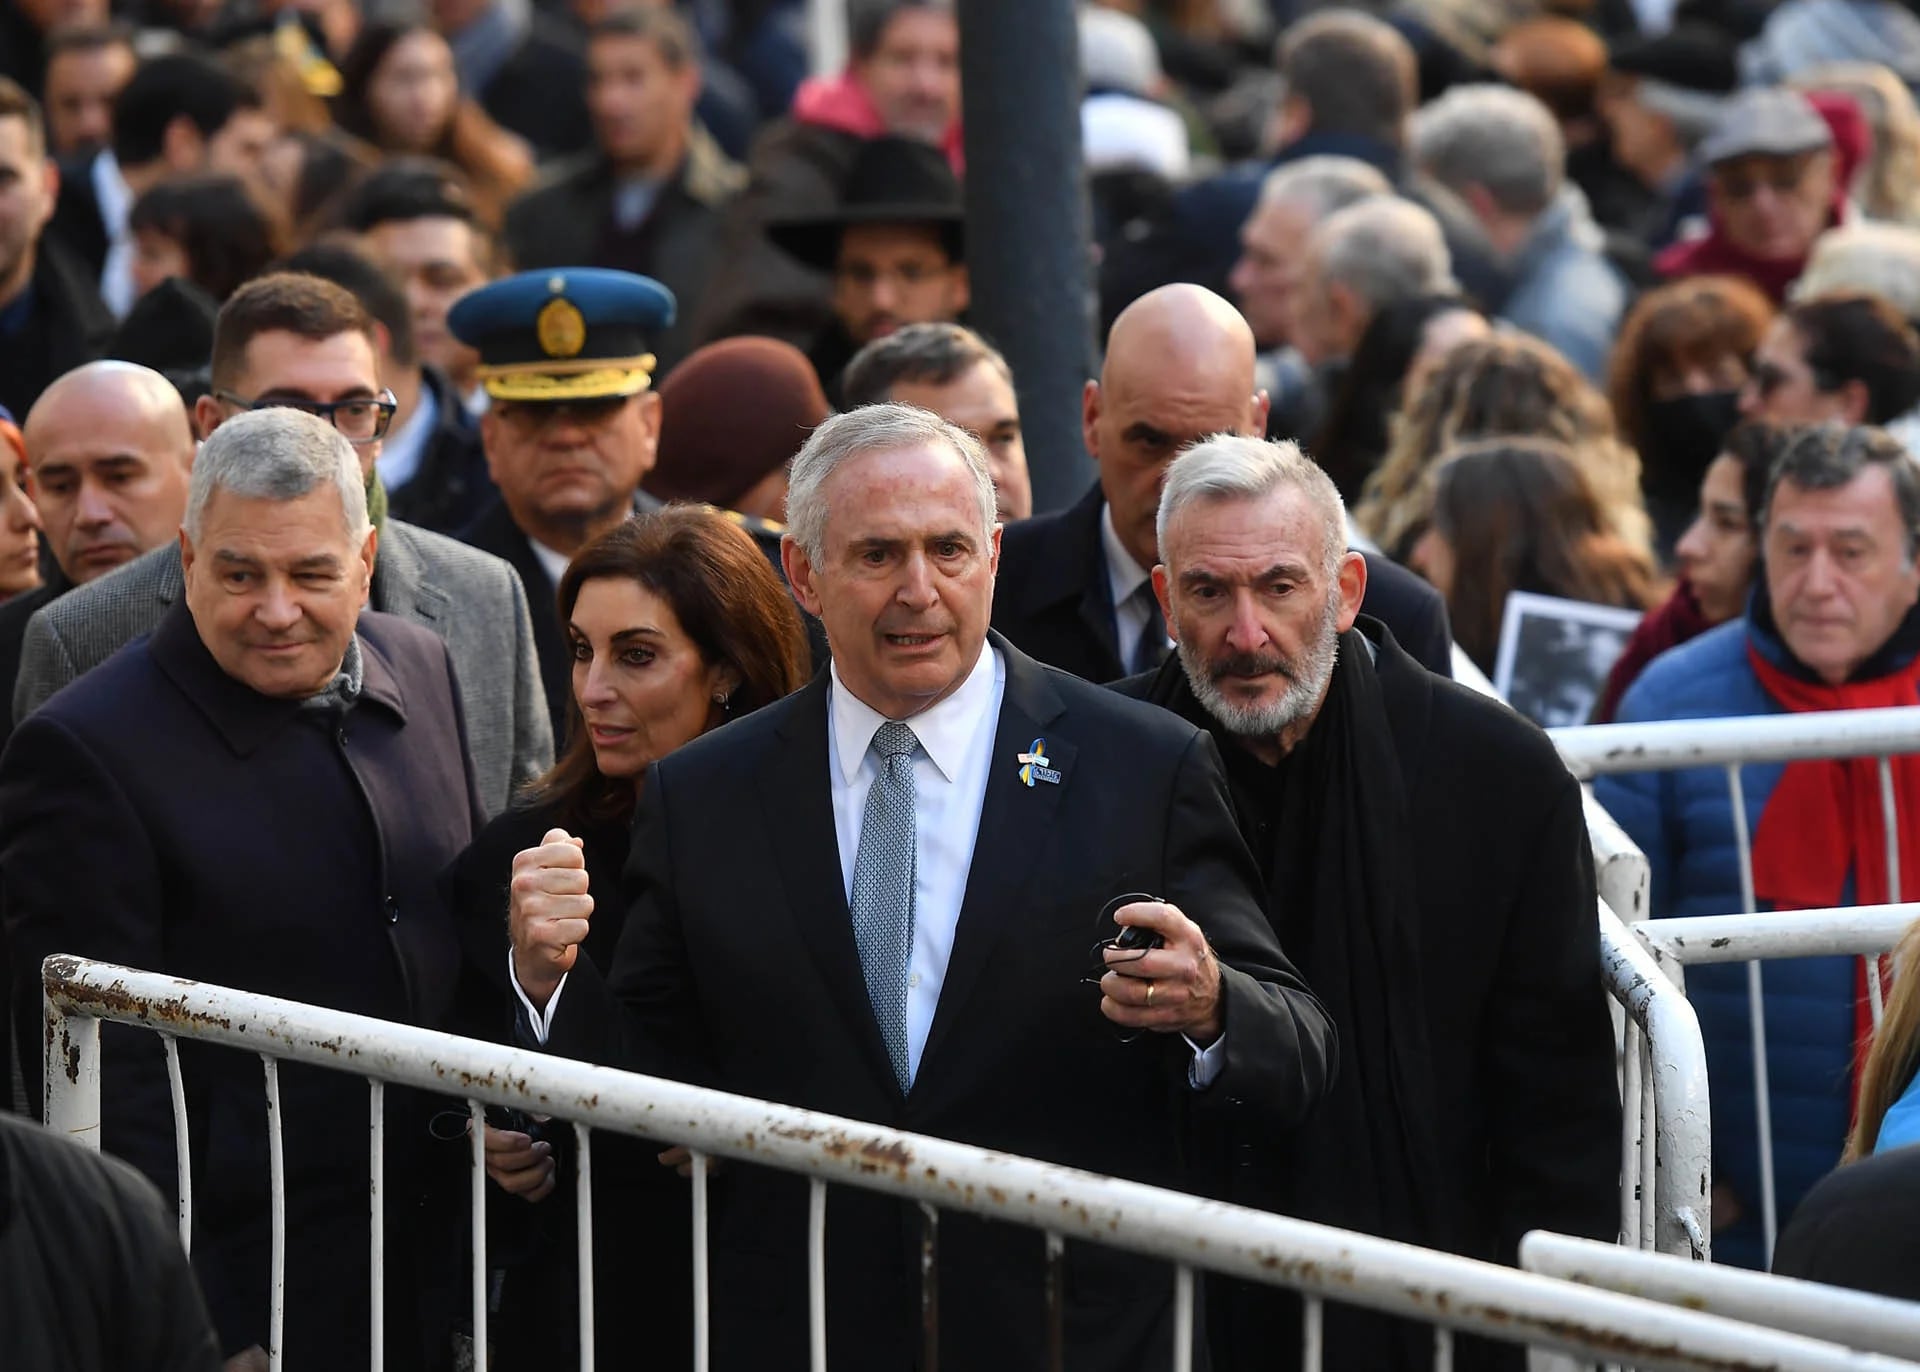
x: 1611, y: 301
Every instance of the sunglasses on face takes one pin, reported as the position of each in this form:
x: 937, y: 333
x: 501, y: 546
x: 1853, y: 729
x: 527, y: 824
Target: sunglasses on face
x: 1782, y: 178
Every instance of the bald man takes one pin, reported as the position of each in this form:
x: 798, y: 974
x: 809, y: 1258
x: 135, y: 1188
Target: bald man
x: 1075, y: 589
x: 108, y: 454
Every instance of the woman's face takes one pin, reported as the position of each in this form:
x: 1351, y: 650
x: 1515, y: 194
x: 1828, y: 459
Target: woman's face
x: 412, y: 93
x: 156, y: 256
x: 641, y: 684
x: 1716, y: 554
x: 1727, y: 372
x: 19, y: 529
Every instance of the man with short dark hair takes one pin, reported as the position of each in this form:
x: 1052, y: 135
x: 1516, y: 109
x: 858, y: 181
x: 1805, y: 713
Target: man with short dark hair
x: 902, y: 79
x: 1426, y: 851
x: 178, y: 114
x: 649, y: 197
x: 895, y: 246
x: 1077, y: 588
x: 292, y: 341
x: 954, y: 372
x: 50, y: 318
x: 430, y: 462
x: 415, y: 217
x: 573, y: 428
x: 86, y: 69
x: 262, y: 793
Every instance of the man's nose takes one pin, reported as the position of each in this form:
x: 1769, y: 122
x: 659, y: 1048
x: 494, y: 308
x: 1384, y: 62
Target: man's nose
x: 1245, y: 634
x: 278, y: 609
x: 92, y: 510
x: 916, y: 582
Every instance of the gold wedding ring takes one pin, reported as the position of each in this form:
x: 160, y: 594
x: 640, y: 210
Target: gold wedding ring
x: 1150, y: 986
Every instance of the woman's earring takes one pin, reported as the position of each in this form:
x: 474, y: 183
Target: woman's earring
x: 723, y: 699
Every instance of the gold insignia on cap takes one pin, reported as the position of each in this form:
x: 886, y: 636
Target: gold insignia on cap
x: 560, y: 329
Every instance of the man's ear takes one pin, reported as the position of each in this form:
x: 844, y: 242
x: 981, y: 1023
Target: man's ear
x: 650, y: 409
x: 1163, y: 592
x: 962, y: 288
x: 1349, y: 315
x: 1257, y: 417
x: 799, y: 569
x: 368, y: 553
x: 182, y: 146
x: 1090, y: 418
x: 1855, y: 398
x: 206, y: 415
x: 490, y: 441
x: 1353, y: 588
x: 186, y: 553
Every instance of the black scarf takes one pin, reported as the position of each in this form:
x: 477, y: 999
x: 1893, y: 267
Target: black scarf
x: 1341, y: 897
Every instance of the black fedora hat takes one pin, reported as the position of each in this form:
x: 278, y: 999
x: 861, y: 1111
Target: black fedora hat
x: 892, y: 181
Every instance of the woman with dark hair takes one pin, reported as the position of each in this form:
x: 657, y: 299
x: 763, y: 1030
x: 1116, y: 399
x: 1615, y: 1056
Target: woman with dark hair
x: 205, y: 229
x: 677, y: 624
x: 1354, y: 437
x: 1519, y: 515
x: 1716, y: 559
x: 400, y: 92
x: 1848, y: 358
x: 1678, y: 369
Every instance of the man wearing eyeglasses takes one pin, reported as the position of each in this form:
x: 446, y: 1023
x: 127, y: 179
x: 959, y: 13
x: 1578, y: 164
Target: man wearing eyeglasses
x: 573, y: 428
x: 894, y: 247
x: 296, y: 341
x: 1777, y: 169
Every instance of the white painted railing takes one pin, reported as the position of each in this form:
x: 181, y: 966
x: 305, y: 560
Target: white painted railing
x: 1193, y: 1235
x: 1731, y: 744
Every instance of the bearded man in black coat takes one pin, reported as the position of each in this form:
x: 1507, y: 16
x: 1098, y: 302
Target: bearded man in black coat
x: 1427, y: 861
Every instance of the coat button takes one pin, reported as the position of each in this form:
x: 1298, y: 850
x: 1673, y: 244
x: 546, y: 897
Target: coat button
x: 393, y: 910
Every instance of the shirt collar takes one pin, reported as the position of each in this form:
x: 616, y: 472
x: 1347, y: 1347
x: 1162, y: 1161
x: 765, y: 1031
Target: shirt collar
x: 403, y: 450
x: 944, y: 730
x: 114, y: 196
x: 552, y: 561
x: 1124, y: 575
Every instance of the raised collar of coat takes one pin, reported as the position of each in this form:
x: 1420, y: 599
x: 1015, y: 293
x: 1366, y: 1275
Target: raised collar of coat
x: 245, y: 719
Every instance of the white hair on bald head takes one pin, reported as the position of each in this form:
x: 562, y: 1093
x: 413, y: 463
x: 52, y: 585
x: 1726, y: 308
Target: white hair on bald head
x: 1234, y: 467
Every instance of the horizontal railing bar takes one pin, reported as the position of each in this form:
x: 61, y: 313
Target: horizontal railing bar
x: 1873, y: 1323
x: 1852, y: 930
x: 1358, y: 1269
x: 1595, y: 749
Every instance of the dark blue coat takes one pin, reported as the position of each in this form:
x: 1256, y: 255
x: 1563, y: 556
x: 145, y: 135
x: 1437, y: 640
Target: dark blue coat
x: 160, y: 814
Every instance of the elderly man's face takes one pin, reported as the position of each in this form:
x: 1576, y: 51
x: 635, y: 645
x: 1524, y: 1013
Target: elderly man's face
x: 275, y: 588
x: 567, y: 470
x: 1840, y: 572
x: 1256, y: 619
x: 894, y: 274
x: 1267, y: 276
x: 1774, y: 207
x: 913, y: 74
x: 904, y: 585
x: 981, y: 401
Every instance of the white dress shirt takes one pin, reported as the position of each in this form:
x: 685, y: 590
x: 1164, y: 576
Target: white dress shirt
x: 552, y: 561
x: 1124, y: 576
x: 405, y: 448
x: 949, y: 787
x: 115, y: 198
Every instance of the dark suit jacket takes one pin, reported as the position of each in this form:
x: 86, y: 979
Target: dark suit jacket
x: 744, y: 975
x: 540, y: 91
x: 161, y: 815
x: 76, y: 221
x: 1052, y: 597
x: 452, y: 487
x: 67, y: 326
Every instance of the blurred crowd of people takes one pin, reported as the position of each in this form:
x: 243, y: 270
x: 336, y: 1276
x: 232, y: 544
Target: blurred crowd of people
x: 509, y: 497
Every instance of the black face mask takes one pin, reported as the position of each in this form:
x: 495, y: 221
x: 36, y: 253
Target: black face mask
x: 1681, y: 437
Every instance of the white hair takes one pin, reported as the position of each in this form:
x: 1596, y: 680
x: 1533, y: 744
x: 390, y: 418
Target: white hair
x: 874, y: 428
x: 1321, y: 185
x: 1865, y: 258
x: 1235, y: 467
x: 1384, y: 249
x: 1491, y: 136
x: 277, y: 454
x: 1231, y: 467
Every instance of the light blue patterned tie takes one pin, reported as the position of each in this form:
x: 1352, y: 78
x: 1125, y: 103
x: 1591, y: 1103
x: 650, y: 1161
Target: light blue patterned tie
x: 882, y: 904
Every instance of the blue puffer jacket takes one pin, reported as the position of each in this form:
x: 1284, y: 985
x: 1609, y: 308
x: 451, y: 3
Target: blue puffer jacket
x: 1684, y: 823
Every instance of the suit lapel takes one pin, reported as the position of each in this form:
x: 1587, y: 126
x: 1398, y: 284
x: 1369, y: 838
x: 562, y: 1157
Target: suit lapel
x: 1015, y: 821
x: 400, y: 585
x: 797, y: 797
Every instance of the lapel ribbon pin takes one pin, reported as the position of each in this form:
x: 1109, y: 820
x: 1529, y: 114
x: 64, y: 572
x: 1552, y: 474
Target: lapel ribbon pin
x: 1033, y: 765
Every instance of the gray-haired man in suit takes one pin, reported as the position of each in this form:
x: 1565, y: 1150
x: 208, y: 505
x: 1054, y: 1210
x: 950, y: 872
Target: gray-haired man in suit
x: 295, y: 340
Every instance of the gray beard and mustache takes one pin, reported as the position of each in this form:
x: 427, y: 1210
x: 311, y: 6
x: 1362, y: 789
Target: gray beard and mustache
x: 1307, y: 675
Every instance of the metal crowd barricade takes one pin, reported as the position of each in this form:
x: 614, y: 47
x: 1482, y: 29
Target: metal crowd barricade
x: 1193, y: 1235
x: 1731, y: 744
x: 1877, y: 1324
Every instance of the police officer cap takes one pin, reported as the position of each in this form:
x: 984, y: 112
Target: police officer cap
x: 575, y: 333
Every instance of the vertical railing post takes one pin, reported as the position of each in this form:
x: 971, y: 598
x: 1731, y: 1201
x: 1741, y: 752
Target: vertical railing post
x: 73, y: 1076
x: 1756, y: 1018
